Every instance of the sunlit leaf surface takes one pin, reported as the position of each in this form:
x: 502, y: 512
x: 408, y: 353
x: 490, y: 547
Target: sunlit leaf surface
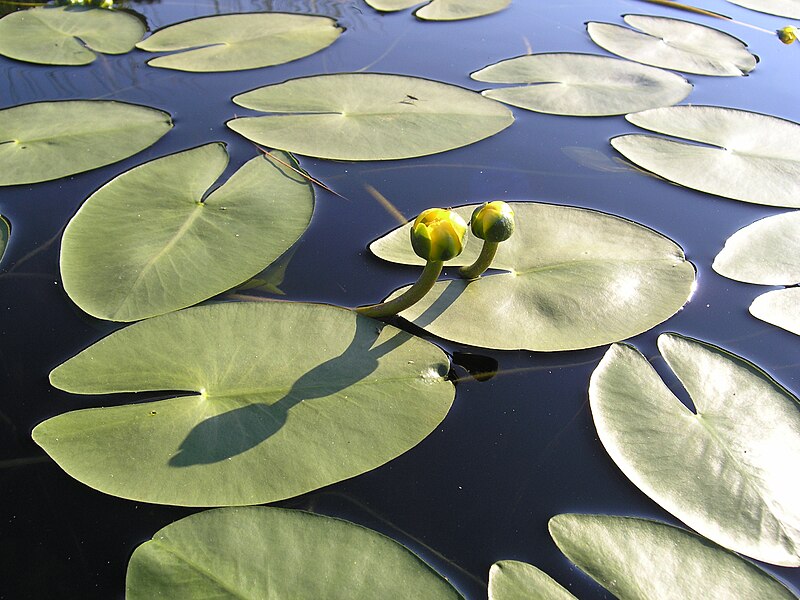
x: 144, y: 244
x: 782, y: 8
x: 48, y: 140
x: 367, y: 116
x: 58, y: 35
x: 514, y: 580
x: 257, y: 552
x: 576, y: 278
x: 765, y: 252
x: 740, y: 155
x: 582, y: 84
x: 443, y: 10
x: 730, y: 470
x: 780, y: 308
x: 280, y: 398
x: 235, y: 42
x: 636, y: 559
x: 674, y: 44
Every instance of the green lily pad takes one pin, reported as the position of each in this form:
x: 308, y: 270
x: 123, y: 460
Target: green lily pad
x: 674, y: 44
x: 368, y: 116
x: 443, y: 10
x: 281, y: 398
x: 49, y: 140
x: 728, y: 471
x: 780, y: 308
x: 577, y: 278
x: 765, y: 252
x: 60, y: 35
x: 234, y: 42
x: 636, y: 559
x: 258, y: 552
x: 582, y: 85
x: 514, y: 580
x: 147, y: 242
x: 744, y: 155
x: 781, y: 8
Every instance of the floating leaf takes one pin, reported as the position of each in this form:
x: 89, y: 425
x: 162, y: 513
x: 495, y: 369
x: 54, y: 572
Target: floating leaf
x: 259, y: 552
x: 443, y: 10
x: 780, y: 308
x: 765, y: 252
x: 578, y: 278
x: 636, y: 559
x: 234, y: 42
x: 60, y: 35
x: 368, y: 116
x: 674, y: 44
x: 48, y: 140
x: 514, y: 580
x: 781, y: 8
x: 147, y: 243
x: 728, y: 471
x: 747, y: 156
x: 285, y: 398
x: 582, y: 84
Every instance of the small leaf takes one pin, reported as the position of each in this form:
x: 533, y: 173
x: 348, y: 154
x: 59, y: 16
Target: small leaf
x: 443, y: 10
x: 780, y: 308
x: 513, y: 580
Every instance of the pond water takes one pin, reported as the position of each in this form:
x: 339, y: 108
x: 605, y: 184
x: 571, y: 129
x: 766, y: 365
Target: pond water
x: 516, y: 448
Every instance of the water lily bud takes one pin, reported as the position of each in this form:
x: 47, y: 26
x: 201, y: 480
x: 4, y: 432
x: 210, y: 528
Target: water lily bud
x: 787, y: 35
x: 493, y: 221
x: 438, y: 235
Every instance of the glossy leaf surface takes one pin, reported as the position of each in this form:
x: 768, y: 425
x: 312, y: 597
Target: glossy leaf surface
x: 443, y: 10
x: 780, y: 308
x: 514, y: 580
x: 782, y: 8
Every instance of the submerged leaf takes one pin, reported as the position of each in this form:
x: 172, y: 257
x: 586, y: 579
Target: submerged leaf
x: 285, y: 398
x: 514, y: 580
x: 60, y: 35
x: 257, y: 552
x: 582, y: 84
x: 636, y: 559
x: 744, y: 155
x: 728, y: 471
x: 234, y: 42
x: 780, y: 308
x: 781, y: 8
x: 147, y: 243
x: 368, y: 116
x: 578, y: 278
x: 443, y: 10
x: 5, y: 232
x: 674, y: 44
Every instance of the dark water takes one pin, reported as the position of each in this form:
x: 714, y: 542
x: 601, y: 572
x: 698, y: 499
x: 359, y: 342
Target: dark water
x: 516, y: 449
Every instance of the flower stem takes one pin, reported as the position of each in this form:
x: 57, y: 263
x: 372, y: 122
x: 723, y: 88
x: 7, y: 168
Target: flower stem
x: 481, y: 263
x: 412, y: 295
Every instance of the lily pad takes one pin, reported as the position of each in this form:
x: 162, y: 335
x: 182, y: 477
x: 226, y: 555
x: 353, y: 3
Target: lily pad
x: 583, y: 85
x: 674, y: 44
x: 729, y: 470
x: 443, y: 10
x: 258, y: 552
x: 781, y: 8
x: 765, y: 252
x: 147, y: 242
x: 740, y: 155
x: 49, y: 140
x: 235, y: 42
x: 576, y: 278
x: 60, y: 35
x: 514, y: 580
x: 368, y: 116
x: 780, y: 308
x: 636, y: 559
x: 281, y: 398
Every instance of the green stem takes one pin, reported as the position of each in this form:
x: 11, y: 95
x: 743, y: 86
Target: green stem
x: 431, y: 272
x: 481, y: 263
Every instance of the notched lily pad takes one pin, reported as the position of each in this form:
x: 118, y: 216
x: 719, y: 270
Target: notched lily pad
x: 732, y: 153
x: 781, y: 8
x: 583, y: 85
x: 148, y: 242
x: 368, y: 116
x: 576, y: 278
x: 281, y: 398
x: 514, y: 580
x: 443, y: 10
x: 49, y: 140
x: 740, y: 448
x: 674, y: 44
x: 235, y: 42
x: 60, y: 35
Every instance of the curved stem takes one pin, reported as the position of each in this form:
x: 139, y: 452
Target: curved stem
x: 481, y: 263
x: 412, y: 295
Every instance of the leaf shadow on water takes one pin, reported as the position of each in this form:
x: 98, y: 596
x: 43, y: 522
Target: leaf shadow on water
x: 236, y: 431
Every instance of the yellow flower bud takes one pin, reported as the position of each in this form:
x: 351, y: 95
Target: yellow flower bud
x: 493, y: 221
x: 787, y: 35
x: 438, y: 235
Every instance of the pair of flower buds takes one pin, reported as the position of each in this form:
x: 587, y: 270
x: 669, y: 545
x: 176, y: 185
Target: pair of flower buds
x: 439, y: 235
